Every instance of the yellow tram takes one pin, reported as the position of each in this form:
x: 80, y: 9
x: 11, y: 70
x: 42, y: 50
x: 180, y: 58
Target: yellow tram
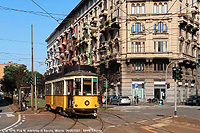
x: 74, y: 92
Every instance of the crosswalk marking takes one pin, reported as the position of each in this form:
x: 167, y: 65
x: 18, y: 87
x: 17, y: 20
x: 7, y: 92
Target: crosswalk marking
x: 10, y: 115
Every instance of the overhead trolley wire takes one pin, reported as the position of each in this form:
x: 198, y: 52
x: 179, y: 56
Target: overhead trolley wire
x: 45, y: 11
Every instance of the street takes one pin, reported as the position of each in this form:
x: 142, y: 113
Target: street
x: 115, y: 119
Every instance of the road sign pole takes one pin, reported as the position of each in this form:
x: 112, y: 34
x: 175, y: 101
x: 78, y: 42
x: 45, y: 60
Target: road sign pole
x: 175, y: 113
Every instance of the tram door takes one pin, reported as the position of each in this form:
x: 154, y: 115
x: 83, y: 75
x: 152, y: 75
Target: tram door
x: 70, y: 93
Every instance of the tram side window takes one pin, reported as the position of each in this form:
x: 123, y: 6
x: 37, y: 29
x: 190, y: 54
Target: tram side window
x: 59, y: 88
x: 78, y: 86
x: 48, y: 89
x: 87, y: 86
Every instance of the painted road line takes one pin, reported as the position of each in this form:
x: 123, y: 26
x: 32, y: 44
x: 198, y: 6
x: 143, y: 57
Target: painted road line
x: 19, y: 119
x: 6, y: 113
x: 10, y: 115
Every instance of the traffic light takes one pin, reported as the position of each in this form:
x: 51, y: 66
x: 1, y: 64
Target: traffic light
x: 38, y: 80
x: 168, y: 85
x: 180, y: 73
x: 143, y: 85
x: 174, y: 73
x: 32, y: 81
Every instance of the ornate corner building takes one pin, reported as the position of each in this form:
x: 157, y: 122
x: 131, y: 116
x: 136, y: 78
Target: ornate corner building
x: 130, y: 43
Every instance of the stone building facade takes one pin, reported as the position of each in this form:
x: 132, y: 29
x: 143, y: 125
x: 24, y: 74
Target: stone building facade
x: 131, y: 42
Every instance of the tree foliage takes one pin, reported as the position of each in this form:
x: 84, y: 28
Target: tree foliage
x: 18, y: 76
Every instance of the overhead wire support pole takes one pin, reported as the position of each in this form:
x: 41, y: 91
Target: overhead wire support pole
x: 32, y: 91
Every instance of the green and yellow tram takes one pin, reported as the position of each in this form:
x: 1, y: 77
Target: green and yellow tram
x: 74, y: 92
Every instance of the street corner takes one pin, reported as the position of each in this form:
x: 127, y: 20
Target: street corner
x: 170, y: 124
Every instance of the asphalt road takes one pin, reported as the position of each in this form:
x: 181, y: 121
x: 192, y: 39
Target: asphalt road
x: 115, y: 119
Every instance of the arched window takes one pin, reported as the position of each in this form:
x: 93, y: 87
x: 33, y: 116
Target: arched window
x: 165, y: 8
x: 138, y: 8
x: 143, y: 8
x: 132, y: 29
x: 155, y: 8
x: 155, y: 28
x: 137, y: 27
x: 165, y: 27
x: 160, y: 27
x: 160, y: 7
x: 133, y: 8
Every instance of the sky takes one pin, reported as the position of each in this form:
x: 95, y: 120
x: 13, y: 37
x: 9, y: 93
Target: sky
x: 16, y: 18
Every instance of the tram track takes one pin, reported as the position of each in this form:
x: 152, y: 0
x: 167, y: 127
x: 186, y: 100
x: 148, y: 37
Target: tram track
x: 76, y: 120
x: 55, y: 116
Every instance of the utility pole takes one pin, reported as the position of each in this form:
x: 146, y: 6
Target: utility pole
x: 106, y: 92
x: 32, y: 91
x: 35, y: 93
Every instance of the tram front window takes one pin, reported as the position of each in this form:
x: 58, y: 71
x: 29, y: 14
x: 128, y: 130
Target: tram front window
x: 78, y: 86
x: 87, y: 86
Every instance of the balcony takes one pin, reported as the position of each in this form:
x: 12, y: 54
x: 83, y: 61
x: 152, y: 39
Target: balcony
x: 181, y: 38
x: 62, y: 34
x: 194, y: 9
x: 93, y: 34
x: 187, y: 41
x: 66, y: 51
x: 74, y: 36
x: 58, y: 38
x: 94, y: 19
x: 64, y: 43
x: 67, y: 31
x: 71, y: 26
x: 75, y: 59
x: 115, y: 22
x: 62, y: 55
x: 104, y: 12
x: 182, y: 18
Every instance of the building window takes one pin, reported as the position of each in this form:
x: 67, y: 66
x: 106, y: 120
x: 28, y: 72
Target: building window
x: 132, y: 29
x: 155, y: 28
x: 160, y: 8
x: 138, y: 66
x: 138, y: 9
x: 155, y: 8
x: 160, y: 27
x: 138, y: 27
x: 143, y: 8
x: 160, y: 66
x: 159, y: 46
x: 143, y: 28
x: 139, y: 47
x: 133, y: 9
x: 132, y: 47
x: 165, y: 8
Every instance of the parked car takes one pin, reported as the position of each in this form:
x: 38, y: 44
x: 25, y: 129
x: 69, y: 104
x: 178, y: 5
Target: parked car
x: 193, y: 100
x: 110, y: 98
x: 1, y: 100
x: 103, y: 99
x: 121, y: 100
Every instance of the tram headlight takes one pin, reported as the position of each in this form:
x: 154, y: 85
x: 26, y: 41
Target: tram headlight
x: 87, y: 102
x: 76, y: 105
x: 95, y: 105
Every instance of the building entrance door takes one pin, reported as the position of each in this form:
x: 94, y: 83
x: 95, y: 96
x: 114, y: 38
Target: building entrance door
x: 159, y: 93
